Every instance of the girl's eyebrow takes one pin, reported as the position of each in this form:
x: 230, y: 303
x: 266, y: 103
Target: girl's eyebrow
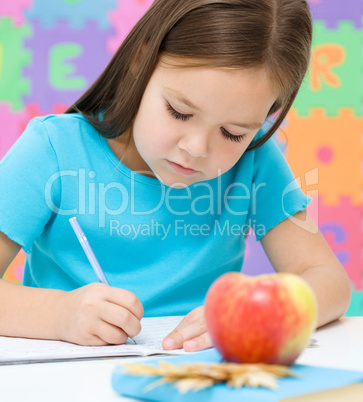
x: 181, y: 98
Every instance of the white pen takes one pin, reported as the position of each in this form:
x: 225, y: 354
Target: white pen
x: 89, y: 252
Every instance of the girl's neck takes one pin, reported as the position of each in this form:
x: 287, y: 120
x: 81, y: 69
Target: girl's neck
x: 125, y: 150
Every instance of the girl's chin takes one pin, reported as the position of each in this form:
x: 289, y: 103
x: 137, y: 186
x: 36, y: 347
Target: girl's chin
x: 179, y: 185
x: 176, y: 183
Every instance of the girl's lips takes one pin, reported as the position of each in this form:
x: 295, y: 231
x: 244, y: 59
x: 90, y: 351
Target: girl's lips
x: 180, y: 169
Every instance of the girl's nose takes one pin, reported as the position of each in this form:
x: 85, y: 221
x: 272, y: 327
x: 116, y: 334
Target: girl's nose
x: 196, y: 145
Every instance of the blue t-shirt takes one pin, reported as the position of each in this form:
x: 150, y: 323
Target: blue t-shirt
x: 166, y: 245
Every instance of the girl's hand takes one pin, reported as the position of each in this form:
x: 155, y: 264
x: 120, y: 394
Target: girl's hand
x: 191, y: 333
x: 98, y: 314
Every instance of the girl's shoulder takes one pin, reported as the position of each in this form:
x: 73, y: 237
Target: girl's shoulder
x: 65, y: 134
x: 70, y: 127
x: 62, y: 121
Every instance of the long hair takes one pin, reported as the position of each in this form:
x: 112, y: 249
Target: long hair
x: 272, y: 34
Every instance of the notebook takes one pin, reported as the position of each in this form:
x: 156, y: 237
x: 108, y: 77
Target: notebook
x: 148, y: 342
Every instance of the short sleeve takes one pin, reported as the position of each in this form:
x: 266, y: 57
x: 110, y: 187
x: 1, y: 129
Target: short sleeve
x: 26, y: 194
x: 276, y: 194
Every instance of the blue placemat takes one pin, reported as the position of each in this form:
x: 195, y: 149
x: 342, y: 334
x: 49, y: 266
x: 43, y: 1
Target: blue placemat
x: 309, y: 379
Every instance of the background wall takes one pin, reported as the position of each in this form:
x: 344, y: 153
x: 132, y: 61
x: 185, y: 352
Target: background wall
x: 51, y: 51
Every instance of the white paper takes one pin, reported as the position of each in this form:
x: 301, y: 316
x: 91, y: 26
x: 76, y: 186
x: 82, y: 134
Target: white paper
x: 148, y: 342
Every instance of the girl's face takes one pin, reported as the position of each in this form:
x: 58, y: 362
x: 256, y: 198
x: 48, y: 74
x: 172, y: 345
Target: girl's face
x: 197, y: 118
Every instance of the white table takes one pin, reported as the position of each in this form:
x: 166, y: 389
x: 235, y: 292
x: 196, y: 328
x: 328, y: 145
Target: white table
x: 340, y: 345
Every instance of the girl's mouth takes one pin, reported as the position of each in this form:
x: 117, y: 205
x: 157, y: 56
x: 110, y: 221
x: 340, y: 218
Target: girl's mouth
x: 180, y: 169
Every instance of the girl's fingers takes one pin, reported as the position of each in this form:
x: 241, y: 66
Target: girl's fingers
x: 95, y: 340
x: 199, y: 343
x: 119, y: 317
x: 192, y: 317
x: 126, y: 299
x: 192, y: 326
x: 110, y: 334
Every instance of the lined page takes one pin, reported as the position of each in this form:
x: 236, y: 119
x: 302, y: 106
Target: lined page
x: 148, y: 342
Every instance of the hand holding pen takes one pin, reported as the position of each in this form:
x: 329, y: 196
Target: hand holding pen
x: 117, y: 310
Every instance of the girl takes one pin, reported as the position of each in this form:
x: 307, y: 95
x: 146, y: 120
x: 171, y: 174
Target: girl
x: 166, y: 162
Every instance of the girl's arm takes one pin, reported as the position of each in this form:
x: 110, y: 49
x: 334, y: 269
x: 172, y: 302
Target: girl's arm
x: 296, y: 245
x: 95, y: 314
x: 299, y: 249
x: 24, y: 311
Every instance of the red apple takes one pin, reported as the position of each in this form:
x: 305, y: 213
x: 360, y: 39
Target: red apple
x: 262, y: 319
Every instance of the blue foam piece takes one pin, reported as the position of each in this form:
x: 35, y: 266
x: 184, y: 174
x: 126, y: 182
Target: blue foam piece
x: 308, y: 379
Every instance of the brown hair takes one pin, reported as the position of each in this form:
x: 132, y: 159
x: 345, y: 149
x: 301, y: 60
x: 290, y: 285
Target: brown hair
x: 273, y: 34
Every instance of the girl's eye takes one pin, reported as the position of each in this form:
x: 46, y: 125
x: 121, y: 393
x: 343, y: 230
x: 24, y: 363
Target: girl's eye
x: 184, y: 117
x: 177, y: 115
x: 236, y: 138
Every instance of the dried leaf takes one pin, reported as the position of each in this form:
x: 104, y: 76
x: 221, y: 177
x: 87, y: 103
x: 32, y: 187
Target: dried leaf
x: 193, y: 384
x: 256, y: 379
x: 194, y: 377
